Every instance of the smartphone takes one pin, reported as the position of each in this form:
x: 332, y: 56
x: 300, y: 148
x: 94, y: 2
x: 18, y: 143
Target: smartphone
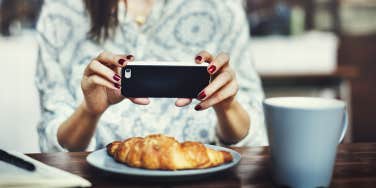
x: 164, y: 79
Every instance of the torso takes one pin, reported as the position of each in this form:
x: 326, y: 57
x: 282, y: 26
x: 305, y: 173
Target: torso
x: 175, y: 30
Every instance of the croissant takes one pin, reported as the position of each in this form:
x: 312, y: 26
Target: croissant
x: 165, y: 153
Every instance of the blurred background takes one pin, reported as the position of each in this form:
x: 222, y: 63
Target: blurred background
x: 323, y: 48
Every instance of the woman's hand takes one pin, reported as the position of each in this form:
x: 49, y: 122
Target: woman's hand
x: 233, y: 120
x: 220, y: 93
x: 101, y: 82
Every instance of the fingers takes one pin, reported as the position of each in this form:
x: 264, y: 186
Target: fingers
x: 109, y: 59
x: 95, y: 67
x: 218, y: 63
x: 98, y: 80
x: 223, y: 87
x: 215, y: 63
x: 181, y: 102
x: 140, y: 101
x: 203, y: 56
x: 221, y: 80
x: 225, y: 93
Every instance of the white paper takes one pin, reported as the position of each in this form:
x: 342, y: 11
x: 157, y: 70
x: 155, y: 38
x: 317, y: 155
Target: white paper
x: 43, y: 176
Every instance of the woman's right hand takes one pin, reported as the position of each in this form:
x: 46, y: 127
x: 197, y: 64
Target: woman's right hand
x: 101, y: 83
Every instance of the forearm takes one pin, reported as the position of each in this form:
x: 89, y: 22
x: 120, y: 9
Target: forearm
x: 233, y: 122
x: 76, y: 132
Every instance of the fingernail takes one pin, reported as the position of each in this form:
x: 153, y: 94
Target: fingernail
x: 198, y: 58
x: 121, y: 61
x: 116, y: 77
x: 117, y: 85
x: 129, y: 57
x: 211, y: 69
x: 198, y: 107
x: 201, y: 95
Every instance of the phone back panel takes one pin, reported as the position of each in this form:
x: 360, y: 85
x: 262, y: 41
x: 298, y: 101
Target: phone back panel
x: 164, y: 81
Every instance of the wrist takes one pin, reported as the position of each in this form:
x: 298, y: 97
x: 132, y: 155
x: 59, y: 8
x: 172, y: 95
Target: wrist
x: 226, y: 105
x: 89, y: 113
x: 233, y: 122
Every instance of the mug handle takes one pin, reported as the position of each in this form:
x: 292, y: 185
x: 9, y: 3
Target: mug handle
x: 344, y: 126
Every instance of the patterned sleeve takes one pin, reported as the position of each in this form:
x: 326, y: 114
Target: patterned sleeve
x: 55, y: 38
x: 236, y: 41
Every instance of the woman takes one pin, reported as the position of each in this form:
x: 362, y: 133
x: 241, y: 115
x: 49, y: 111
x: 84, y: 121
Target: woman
x: 85, y: 43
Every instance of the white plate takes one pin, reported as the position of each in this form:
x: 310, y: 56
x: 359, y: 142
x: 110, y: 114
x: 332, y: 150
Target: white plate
x: 100, y: 159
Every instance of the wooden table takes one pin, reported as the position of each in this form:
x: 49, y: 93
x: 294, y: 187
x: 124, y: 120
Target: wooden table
x: 355, y: 167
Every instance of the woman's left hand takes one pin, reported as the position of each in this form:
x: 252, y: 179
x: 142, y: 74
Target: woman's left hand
x: 220, y: 93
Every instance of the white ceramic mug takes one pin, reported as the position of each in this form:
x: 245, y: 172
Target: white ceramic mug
x: 303, y: 135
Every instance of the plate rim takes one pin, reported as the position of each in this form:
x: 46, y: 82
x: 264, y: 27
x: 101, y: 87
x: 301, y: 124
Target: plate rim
x: 165, y: 173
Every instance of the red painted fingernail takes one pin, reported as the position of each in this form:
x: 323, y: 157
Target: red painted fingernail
x: 201, y: 95
x: 117, y: 85
x: 129, y: 57
x: 198, y: 58
x: 121, y: 61
x: 116, y: 77
x: 211, y: 69
x: 198, y: 107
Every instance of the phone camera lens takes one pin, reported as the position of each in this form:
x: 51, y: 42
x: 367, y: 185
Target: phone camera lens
x: 127, y: 73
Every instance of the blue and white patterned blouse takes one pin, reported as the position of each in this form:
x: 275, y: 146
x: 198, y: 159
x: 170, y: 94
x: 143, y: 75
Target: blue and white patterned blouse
x: 175, y: 30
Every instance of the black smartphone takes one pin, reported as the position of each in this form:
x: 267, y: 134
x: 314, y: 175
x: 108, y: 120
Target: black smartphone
x: 164, y: 79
